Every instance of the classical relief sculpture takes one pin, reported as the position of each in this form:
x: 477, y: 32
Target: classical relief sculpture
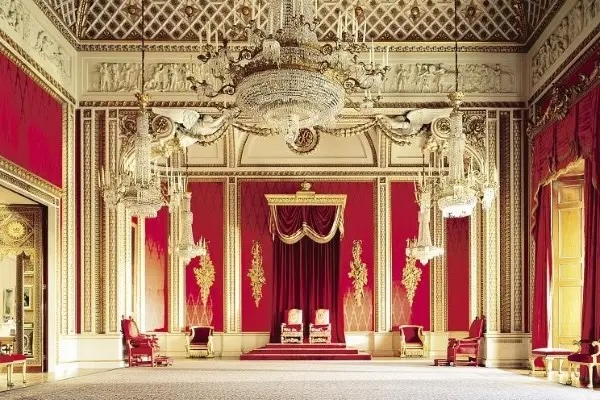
x: 403, y: 128
x: 124, y: 77
x: 570, y: 27
x: 256, y: 273
x: 439, y: 78
x: 358, y: 272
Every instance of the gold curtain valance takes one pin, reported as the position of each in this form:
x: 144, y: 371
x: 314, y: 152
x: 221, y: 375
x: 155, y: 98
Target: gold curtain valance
x: 305, y: 213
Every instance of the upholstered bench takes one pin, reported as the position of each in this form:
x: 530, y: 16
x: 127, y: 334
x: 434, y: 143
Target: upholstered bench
x: 10, y: 360
x: 548, y: 354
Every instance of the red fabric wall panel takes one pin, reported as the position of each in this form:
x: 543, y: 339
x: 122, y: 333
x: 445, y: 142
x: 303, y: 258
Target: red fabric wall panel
x: 457, y: 261
x: 209, y: 220
x: 31, y: 121
x: 157, y: 259
x: 405, y: 225
x: 359, y: 225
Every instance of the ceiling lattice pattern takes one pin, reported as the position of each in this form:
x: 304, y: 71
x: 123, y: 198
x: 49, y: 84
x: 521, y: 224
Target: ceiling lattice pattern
x: 387, y: 20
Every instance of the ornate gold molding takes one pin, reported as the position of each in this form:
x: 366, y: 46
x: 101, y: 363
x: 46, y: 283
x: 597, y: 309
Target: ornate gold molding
x: 30, y: 182
x: 358, y: 272
x: 205, y: 276
x: 256, y: 273
x: 562, y: 98
x: 411, y: 276
x: 306, y: 197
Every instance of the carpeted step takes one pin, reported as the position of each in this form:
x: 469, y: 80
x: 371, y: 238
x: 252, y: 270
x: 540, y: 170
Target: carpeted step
x: 322, y: 356
x: 307, y: 345
x: 288, y: 350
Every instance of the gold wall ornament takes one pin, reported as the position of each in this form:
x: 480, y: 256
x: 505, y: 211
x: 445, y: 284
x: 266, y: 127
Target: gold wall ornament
x: 205, y: 276
x: 358, y: 272
x: 411, y: 276
x: 257, y: 273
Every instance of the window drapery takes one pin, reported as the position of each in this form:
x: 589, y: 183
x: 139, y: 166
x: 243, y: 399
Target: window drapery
x: 293, y: 222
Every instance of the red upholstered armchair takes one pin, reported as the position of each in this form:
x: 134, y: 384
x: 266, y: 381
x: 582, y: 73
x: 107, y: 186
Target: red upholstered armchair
x: 469, y: 346
x: 141, y: 348
x: 200, y: 341
x: 412, y: 341
x: 588, y: 354
x: 292, y: 330
x: 320, y: 330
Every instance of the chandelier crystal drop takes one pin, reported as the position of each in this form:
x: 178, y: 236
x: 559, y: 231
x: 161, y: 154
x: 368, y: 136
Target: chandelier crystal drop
x: 422, y: 247
x: 187, y: 249
x: 284, y: 80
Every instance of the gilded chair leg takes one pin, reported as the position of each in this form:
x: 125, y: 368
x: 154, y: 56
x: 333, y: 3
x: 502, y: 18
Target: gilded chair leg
x: 591, y: 376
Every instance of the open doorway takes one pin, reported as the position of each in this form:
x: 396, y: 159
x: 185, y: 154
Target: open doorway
x: 568, y: 257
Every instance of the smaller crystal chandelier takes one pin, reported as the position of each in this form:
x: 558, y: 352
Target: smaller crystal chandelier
x: 458, y: 193
x: 187, y: 249
x: 422, y: 248
x: 138, y: 190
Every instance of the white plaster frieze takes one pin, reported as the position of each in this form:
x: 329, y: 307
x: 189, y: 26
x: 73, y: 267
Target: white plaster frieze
x: 23, y: 23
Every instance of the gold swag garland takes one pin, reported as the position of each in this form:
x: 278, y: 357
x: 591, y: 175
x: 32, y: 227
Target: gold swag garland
x: 411, y: 276
x: 256, y: 273
x: 358, y: 272
x: 205, y: 276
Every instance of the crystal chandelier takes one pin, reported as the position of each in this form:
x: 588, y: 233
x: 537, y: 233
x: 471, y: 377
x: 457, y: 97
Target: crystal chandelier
x: 187, y: 249
x: 422, y: 248
x: 458, y: 193
x: 138, y: 190
x: 284, y: 80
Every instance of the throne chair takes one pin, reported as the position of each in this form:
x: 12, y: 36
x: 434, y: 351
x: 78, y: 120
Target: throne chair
x: 142, y: 349
x: 292, y: 330
x: 412, y: 341
x: 320, y: 330
x: 467, y: 347
x: 587, y: 355
x: 200, y: 342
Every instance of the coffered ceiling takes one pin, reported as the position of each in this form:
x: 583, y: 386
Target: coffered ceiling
x: 505, y: 21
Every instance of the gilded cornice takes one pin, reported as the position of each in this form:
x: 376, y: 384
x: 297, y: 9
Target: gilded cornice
x: 29, y: 182
x: 562, y: 99
x: 534, y: 36
x: 32, y: 69
x: 57, y: 22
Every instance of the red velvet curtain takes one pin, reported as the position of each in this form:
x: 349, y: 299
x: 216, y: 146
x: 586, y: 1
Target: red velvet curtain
x: 306, y: 274
x: 543, y: 268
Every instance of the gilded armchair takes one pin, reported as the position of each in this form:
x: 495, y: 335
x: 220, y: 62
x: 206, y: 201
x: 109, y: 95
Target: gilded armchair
x: 200, y: 342
x: 292, y: 330
x: 320, y: 330
x: 141, y: 348
x: 467, y: 347
x: 412, y: 341
x: 586, y: 355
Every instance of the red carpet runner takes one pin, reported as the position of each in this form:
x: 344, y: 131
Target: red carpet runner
x: 305, y: 351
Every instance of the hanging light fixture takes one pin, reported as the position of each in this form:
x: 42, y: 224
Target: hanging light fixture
x: 285, y: 81
x: 459, y: 192
x: 422, y: 248
x: 187, y: 249
x: 139, y: 190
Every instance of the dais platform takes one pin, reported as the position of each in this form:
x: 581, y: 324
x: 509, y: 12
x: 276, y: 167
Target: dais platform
x: 305, y: 351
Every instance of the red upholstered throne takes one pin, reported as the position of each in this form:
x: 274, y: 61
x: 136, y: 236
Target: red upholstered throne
x: 320, y: 330
x: 200, y: 341
x: 467, y: 347
x: 588, y: 355
x: 412, y: 341
x: 292, y: 330
x: 142, y: 349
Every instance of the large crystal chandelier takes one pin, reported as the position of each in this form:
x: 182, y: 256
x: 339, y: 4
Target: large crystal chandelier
x: 459, y: 192
x: 284, y: 80
x: 422, y: 248
x: 139, y: 190
x: 187, y: 249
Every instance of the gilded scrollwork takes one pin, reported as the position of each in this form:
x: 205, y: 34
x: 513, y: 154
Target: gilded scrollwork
x: 411, y: 276
x: 358, y: 272
x: 257, y: 273
x: 205, y: 276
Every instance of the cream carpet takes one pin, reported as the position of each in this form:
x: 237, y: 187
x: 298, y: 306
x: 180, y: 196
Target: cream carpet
x: 233, y: 379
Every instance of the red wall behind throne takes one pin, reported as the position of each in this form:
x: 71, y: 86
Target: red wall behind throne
x: 209, y: 222
x: 157, y: 261
x: 405, y: 225
x: 457, y: 263
x: 359, y: 224
x: 31, y: 124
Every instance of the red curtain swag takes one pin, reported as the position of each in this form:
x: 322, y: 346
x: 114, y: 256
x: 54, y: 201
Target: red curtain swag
x: 554, y: 149
x: 319, y: 223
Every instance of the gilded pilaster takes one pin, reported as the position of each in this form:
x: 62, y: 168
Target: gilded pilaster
x: 383, y: 271
x: 233, y: 266
x: 139, y: 297
x: 517, y: 218
x: 474, y: 264
x: 438, y: 299
x: 176, y: 283
x: 492, y: 244
x: 506, y: 205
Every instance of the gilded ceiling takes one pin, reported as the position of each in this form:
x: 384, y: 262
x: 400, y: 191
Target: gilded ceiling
x: 505, y: 21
